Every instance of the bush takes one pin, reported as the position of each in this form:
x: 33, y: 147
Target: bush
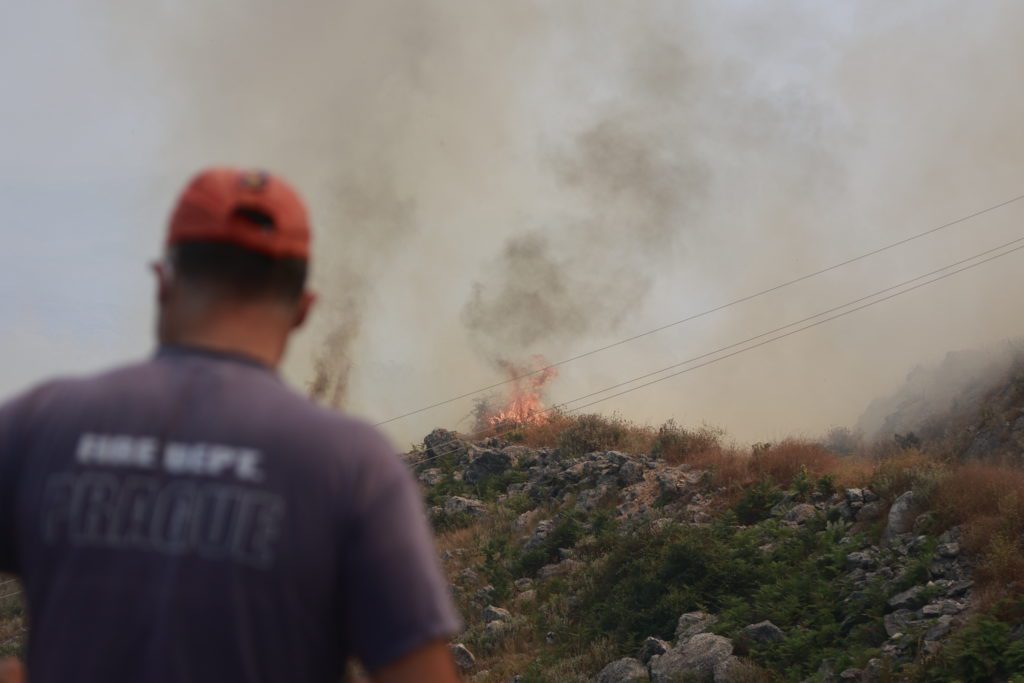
x: 590, y: 433
x: 987, y: 649
x: 675, y: 444
x: 756, y: 503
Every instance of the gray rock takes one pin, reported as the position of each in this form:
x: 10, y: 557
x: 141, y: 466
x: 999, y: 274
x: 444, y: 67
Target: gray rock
x: 869, y: 496
x: 870, y: 512
x: 861, y: 559
x: 941, y: 629
x: 949, y: 550
x: 431, y: 477
x: 695, y: 660
x: 630, y: 473
x: 464, y: 659
x: 559, y: 569
x: 855, y: 497
x: 626, y: 670
x: 522, y: 522
x: 540, y: 532
x: 764, y: 632
x: 851, y: 675
x: 652, y: 647
x: 484, y: 595
x: 843, y: 511
x: 486, y: 464
x: 692, y: 623
x: 441, y: 442
x: 496, y: 629
x: 912, y: 598
x: 523, y: 584
x: 901, y: 517
x: 959, y: 589
x: 492, y: 613
x: 525, y: 598
x: 799, y: 514
x: 458, y: 504
x: 898, y: 622
x: 732, y: 670
x: 872, y: 671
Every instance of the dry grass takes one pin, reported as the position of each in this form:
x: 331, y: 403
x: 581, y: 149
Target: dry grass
x: 784, y: 461
x: 578, y: 434
x: 988, y: 500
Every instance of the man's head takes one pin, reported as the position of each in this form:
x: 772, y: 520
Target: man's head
x: 234, y: 272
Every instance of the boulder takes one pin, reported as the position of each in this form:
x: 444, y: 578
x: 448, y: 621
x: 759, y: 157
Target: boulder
x: 696, y: 660
x: 800, y: 514
x: 540, y: 532
x: 860, y: 559
x: 912, y: 598
x: 626, y: 670
x: 559, y: 569
x: 486, y: 464
x: 458, y: 504
x: 464, y: 659
x: 441, y: 442
x: 901, y: 517
x: 525, y: 598
x: 431, y: 477
x: 733, y: 670
x: 692, y: 623
x: 492, y: 613
x: 523, y: 584
x: 898, y: 622
x: 630, y: 473
x: 870, y: 512
x: 652, y: 647
x: 763, y: 632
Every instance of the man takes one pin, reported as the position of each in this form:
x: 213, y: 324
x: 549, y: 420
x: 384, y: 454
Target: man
x: 189, y: 518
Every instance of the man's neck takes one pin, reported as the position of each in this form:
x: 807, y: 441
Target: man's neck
x: 235, y: 336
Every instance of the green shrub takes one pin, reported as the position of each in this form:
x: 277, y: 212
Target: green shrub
x: 985, y: 650
x: 756, y: 502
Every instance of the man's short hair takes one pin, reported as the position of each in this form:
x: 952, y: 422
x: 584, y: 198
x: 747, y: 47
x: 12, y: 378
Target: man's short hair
x: 238, y: 272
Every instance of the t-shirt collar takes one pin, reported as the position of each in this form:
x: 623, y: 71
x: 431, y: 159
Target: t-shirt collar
x: 187, y: 350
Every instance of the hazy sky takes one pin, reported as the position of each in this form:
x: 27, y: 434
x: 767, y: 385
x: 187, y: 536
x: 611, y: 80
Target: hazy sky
x: 493, y: 180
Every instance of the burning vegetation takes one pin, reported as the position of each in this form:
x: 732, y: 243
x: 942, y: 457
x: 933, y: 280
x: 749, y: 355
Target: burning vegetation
x: 523, y: 403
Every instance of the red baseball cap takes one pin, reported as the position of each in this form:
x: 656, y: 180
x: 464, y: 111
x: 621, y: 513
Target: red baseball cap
x: 251, y: 209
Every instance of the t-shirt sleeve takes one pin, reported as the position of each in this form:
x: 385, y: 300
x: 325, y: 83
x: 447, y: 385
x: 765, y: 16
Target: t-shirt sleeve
x: 396, y: 598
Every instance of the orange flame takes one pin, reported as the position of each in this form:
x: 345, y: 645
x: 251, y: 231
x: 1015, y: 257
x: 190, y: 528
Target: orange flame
x: 525, y: 402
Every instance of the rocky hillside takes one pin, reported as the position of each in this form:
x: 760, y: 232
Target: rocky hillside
x: 969, y: 406
x: 684, y: 560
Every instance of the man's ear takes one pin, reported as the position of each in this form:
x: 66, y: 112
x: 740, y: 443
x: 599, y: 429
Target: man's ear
x: 305, y: 305
x: 164, y: 275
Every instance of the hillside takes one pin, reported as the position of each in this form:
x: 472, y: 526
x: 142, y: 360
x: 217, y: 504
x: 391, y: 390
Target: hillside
x: 969, y: 406
x: 592, y: 549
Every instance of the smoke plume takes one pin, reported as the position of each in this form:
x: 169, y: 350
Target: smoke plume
x: 494, y: 180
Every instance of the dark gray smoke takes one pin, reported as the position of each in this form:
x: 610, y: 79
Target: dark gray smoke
x: 494, y: 180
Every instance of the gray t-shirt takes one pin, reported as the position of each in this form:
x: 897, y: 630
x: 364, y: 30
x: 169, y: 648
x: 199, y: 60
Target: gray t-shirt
x: 190, y: 518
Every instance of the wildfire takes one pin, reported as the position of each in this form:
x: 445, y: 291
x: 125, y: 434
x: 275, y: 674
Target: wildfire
x: 525, y: 401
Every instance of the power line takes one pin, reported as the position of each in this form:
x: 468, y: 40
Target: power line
x: 807, y: 319
x: 559, y: 406
x: 801, y: 329
x: 707, y: 312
